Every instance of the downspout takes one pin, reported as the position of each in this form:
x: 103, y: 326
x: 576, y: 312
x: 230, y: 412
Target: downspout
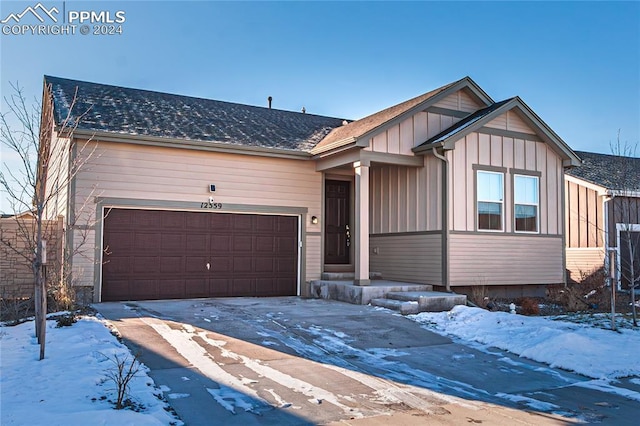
x: 445, y: 218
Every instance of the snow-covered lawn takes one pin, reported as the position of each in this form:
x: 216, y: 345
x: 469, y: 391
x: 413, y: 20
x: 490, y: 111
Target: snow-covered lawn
x: 68, y: 387
x: 587, y: 350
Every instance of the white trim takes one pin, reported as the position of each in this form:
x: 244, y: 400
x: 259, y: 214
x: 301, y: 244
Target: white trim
x: 601, y: 190
x: 502, y: 202
x: 537, y: 205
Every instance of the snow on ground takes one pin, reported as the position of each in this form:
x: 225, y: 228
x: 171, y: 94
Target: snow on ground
x: 593, y: 352
x: 69, y: 387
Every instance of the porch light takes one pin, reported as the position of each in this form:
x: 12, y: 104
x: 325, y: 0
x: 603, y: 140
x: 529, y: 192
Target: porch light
x: 314, y: 220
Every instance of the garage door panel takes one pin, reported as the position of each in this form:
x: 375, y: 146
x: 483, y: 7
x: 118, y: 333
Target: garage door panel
x: 196, y: 264
x: 197, y: 288
x: 221, y: 243
x: 265, y: 264
x: 172, y: 264
x: 197, y: 243
x: 222, y: 265
x: 143, y: 289
x: 156, y: 254
x: 243, y: 222
x: 171, y: 289
x: 265, y: 244
x: 173, y: 220
x: 145, y: 265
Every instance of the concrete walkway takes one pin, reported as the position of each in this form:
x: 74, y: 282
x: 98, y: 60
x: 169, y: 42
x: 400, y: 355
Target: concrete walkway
x: 286, y: 361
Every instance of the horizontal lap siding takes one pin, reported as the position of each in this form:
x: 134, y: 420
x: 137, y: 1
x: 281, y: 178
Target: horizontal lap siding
x: 413, y: 258
x: 582, y: 261
x: 491, y: 259
x: 122, y: 170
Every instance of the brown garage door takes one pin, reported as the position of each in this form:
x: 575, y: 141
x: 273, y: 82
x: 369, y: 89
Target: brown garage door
x: 150, y: 254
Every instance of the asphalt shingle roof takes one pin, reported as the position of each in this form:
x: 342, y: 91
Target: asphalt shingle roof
x: 147, y: 113
x: 613, y: 172
x: 465, y: 122
x: 370, y: 122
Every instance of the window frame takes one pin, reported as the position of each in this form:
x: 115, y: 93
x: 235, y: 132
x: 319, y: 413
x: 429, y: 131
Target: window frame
x: 478, y: 200
x: 515, y: 174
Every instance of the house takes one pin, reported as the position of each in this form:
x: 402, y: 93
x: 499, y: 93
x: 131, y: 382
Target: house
x: 187, y: 197
x: 602, y: 214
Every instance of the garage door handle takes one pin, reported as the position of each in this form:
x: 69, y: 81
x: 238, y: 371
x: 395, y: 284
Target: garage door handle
x: 208, y: 266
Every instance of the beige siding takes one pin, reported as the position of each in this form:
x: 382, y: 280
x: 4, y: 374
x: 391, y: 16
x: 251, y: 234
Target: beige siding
x: 583, y: 261
x: 493, y: 259
x: 510, y: 120
x: 314, y: 257
x: 459, y: 101
x: 152, y: 173
x: 57, y: 178
x: 411, y: 132
x: 585, y: 223
x: 415, y: 258
x: 479, y: 149
x: 405, y: 199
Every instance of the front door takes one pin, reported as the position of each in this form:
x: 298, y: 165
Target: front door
x: 336, y: 225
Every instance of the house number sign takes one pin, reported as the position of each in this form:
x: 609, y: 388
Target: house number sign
x: 212, y: 206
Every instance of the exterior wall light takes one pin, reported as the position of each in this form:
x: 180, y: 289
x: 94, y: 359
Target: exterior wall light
x: 314, y: 220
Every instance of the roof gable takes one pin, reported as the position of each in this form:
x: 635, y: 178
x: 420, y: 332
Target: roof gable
x: 367, y: 126
x: 127, y: 111
x: 475, y: 121
x: 613, y: 172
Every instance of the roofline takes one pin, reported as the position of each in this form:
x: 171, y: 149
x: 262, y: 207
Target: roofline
x: 550, y: 135
x: 363, y: 141
x: 46, y: 77
x: 601, y: 190
x: 190, y: 144
x: 623, y: 193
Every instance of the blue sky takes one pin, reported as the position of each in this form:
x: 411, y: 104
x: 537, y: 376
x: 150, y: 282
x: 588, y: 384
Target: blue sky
x: 577, y: 64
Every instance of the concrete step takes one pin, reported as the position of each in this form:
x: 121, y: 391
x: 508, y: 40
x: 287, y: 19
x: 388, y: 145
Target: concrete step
x: 343, y: 276
x: 404, y: 307
x: 429, y: 301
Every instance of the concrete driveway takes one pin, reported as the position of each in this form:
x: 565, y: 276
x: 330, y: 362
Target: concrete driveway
x: 289, y: 361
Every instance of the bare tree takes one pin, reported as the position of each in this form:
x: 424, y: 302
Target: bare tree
x: 626, y: 207
x: 38, y: 181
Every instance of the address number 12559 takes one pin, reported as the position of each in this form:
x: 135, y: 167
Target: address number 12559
x: 214, y: 206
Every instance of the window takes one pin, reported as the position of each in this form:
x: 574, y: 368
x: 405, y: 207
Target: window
x: 526, y: 203
x: 490, y: 192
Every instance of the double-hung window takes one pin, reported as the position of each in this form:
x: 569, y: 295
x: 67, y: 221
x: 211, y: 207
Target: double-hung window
x: 490, y: 195
x: 526, y: 203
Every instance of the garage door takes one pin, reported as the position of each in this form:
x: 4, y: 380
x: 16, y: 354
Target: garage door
x: 149, y: 254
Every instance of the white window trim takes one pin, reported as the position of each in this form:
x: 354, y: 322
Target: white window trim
x: 478, y: 200
x: 537, y: 231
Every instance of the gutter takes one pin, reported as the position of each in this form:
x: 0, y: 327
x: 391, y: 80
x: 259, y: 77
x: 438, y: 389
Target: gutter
x: 445, y: 218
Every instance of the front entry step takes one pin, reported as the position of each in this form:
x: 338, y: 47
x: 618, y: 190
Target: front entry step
x: 412, y: 302
x: 344, y: 276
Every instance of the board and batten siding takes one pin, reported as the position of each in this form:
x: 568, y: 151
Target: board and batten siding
x: 480, y: 149
x: 122, y: 170
x: 585, y: 216
x: 415, y: 258
x: 405, y: 199
x: 494, y: 259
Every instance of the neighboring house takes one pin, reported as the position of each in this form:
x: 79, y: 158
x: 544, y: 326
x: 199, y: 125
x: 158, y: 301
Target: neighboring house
x: 187, y: 197
x: 603, y: 208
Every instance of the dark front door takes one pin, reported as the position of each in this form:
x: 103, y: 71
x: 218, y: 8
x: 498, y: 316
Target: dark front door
x: 153, y: 254
x: 336, y: 225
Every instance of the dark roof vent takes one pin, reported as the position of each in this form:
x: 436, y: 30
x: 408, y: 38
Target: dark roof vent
x: 269, y: 99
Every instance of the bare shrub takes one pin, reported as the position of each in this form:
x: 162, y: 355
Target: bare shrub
x: 530, y: 306
x: 123, y: 371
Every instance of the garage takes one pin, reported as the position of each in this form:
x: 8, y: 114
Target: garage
x: 158, y: 254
